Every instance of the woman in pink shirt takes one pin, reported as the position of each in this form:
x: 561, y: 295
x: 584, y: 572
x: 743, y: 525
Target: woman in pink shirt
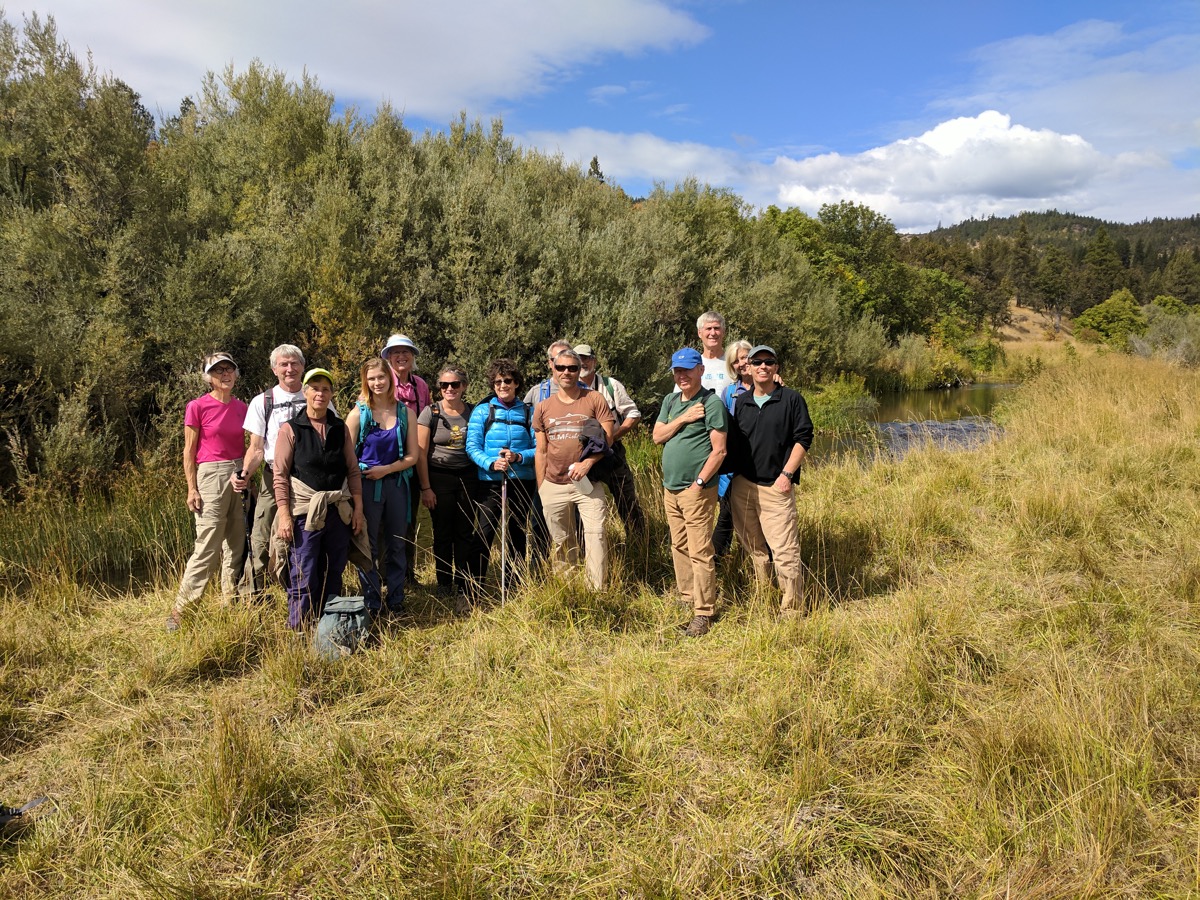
x: 412, y: 391
x: 213, y: 444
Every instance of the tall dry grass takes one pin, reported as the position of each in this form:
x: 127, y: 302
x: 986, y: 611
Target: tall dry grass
x: 995, y: 697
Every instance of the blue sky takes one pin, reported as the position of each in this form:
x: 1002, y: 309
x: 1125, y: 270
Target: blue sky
x: 928, y: 112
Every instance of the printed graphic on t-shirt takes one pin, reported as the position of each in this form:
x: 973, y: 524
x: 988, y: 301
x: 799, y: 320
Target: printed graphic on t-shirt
x: 569, y: 427
x: 457, y: 438
x: 285, y: 411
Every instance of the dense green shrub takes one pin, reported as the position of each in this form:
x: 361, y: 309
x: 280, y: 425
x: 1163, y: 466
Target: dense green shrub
x: 841, y: 406
x: 1170, y: 304
x: 1170, y: 336
x: 1116, y: 318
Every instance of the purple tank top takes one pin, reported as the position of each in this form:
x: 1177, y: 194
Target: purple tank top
x: 380, y: 447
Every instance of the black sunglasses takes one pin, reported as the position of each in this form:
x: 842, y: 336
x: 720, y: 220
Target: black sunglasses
x: 500, y: 381
x: 764, y: 362
x: 559, y: 368
x: 449, y: 384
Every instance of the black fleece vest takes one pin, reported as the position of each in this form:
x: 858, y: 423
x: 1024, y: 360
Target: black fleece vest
x: 321, y: 466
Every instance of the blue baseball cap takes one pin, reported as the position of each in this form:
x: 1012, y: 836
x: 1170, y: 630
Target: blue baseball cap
x: 687, y: 358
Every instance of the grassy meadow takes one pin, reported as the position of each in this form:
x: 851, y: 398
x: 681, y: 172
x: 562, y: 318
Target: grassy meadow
x: 995, y: 696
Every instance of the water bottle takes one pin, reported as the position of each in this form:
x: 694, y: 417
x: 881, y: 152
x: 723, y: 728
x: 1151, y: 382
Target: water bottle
x: 584, y: 484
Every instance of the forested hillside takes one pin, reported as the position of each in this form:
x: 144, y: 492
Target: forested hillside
x: 1159, y: 237
x: 256, y: 215
x: 1151, y: 258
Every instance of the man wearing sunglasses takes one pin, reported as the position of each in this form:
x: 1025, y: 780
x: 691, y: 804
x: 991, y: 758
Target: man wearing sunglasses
x: 544, y: 389
x: 573, y: 428
x: 770, y: 436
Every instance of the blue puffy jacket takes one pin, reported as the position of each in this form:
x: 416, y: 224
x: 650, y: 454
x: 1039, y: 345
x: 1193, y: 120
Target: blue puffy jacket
x: 508, y: 430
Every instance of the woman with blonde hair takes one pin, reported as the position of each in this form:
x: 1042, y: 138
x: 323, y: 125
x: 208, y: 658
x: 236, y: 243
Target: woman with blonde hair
x: 213, y: 446
x: 737, y: 366
x: 385, y: 436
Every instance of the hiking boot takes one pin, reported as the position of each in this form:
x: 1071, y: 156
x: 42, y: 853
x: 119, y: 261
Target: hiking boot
x: 698, y: 627
x: 174, y: 620
x: 463, y: 606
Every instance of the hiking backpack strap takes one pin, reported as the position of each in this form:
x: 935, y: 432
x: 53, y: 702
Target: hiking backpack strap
x: 491, y: 418
x: 435, y: 419
x: 365, y: 421
x: 405, y: 477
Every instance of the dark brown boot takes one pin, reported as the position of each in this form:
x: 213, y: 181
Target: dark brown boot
x: 698, y: 627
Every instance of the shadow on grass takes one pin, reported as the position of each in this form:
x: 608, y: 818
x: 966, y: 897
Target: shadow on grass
x: 840, y: 566
x: 846, y: 562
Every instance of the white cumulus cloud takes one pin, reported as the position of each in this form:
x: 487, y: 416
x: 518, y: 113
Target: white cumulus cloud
x: 967, y: 166
x: 978, y: 161
x: 427, y: 59
x: 641, y: 156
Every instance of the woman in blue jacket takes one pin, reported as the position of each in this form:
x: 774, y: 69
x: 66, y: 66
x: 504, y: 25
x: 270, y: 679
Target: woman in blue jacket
x: 500, y: 442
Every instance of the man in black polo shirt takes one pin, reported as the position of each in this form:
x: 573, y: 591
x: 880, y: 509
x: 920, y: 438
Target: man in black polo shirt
x: 771, y: 432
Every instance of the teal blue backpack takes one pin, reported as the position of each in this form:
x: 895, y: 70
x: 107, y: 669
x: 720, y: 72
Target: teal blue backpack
x: 343, y: 627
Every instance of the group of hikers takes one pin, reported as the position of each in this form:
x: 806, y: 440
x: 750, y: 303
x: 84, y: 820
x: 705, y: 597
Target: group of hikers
x: 536, y: 467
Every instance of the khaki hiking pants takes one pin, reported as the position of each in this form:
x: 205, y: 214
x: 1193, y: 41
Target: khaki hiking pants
x: 690, y: 516
x: 220, y: 533
x: 764, y: 518
x: 558, y: 503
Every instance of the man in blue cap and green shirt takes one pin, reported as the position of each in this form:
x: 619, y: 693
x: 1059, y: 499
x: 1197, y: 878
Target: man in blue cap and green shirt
x: 692, y: 426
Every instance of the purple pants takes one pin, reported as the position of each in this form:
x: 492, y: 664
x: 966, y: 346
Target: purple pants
x: 387, y: 523
x: 318, y: 559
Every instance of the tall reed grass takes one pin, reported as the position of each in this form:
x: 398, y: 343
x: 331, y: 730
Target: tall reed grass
x: 994, y: 697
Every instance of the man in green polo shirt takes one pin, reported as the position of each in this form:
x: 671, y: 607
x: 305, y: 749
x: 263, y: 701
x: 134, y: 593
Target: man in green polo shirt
x: 692, y: 426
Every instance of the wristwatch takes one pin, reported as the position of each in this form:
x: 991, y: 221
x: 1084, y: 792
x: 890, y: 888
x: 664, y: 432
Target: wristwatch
x: 788, y: 475
x: 701, y: 482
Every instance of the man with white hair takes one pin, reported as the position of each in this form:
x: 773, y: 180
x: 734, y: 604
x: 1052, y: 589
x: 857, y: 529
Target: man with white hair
x: 710, y: 329
x: 267, y: 412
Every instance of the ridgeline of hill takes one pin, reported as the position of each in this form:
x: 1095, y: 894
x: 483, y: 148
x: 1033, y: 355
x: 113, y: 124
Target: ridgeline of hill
x: 1075, y: 232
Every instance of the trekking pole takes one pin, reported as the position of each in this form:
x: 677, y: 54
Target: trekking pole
x: 504, y: 538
